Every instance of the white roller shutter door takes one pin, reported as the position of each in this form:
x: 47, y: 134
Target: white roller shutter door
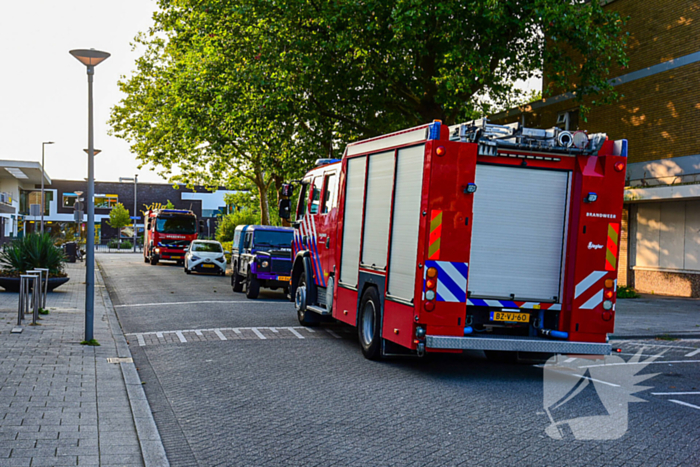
x: 406, y: 219
x: 518, y: 232
x: 380, y: 183
x: 352, y: 222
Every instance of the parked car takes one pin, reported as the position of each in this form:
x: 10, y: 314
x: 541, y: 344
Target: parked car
x: 261, y: 256
x: 205, y: 256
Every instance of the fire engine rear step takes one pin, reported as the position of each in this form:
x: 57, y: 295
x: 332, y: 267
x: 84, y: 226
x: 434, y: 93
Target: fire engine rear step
x: 520, y: 344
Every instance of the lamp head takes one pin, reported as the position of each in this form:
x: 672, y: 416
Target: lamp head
x: 90, y: 57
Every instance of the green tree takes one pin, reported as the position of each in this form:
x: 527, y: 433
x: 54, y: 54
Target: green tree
x: 169, y: 205
x: 252, y: 90
x: 119, y: 217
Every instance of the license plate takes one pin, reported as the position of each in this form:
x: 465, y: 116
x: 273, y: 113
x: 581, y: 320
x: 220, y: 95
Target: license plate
x: 207, y: 265
x: 176, y: 257
x: 283, y: 278
x: 510, y: 316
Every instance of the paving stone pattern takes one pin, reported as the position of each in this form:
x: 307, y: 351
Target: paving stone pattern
x: 317, y: 401
x: 61, y: 403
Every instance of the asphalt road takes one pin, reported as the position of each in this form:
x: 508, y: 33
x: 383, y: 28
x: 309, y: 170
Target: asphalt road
x: 237, y: 382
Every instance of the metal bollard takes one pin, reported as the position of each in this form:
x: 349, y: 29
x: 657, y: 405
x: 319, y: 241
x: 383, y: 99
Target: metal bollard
x: 20, y: 305
x: 33, y: 280
x: 36, y: 294
x: 45, y: 289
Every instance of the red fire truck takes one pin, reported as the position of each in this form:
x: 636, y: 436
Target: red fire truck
x: 167, y: 233
x: 476, y: 236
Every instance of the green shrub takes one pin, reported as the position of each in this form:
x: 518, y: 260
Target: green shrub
x: 127, y: 245
x: 30, y: 252
x: 626, y: 292
x: 227, y: 247
x: 227, y: 225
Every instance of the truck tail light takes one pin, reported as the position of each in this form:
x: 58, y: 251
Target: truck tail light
x: 430, y: 284
x: 431, y: 273
x: 441, y: 151
x: 609, y: 283
x: 609, y: 294
x: 619, y: 166
x: 429, y: 306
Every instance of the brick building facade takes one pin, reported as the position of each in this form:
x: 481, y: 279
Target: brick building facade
x: 658, y: 113
x: 62, y: 194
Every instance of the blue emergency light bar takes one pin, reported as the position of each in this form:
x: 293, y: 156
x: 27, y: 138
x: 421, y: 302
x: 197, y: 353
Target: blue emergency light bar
x: 176, y: 211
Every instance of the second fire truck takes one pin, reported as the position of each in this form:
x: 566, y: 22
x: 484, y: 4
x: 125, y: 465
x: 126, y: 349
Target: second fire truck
x: 167, y: 233
x: 476, y: 236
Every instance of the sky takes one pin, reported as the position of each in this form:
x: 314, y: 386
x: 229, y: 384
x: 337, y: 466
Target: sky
x: 43, y: 89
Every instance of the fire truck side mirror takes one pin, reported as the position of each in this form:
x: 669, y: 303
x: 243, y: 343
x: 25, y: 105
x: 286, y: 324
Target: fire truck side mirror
x: 285, y: 208
x: 287, y: 190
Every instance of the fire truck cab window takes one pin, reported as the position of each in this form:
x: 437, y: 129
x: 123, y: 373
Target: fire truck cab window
x: 316, y: 195
x: 329, y: 194
x: 301, y: 205
x: 176, y: 225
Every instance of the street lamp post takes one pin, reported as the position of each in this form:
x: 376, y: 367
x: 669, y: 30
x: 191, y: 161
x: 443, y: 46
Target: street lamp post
x: 135, y: 216
x: 90, y: 58
x: 43, y: 203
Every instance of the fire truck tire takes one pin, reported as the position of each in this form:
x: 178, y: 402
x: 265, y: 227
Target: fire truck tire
x: 369, y: 327
x: 252, y: 286
x: 305, y: 317
x: 154, y: 260
x: 145, y: 259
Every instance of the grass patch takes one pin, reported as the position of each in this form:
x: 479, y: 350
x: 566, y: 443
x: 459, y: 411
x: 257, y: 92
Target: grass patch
x: 90, y: 342
x: 666, y: 337
x: 627, y: 292
x: 43, y: 311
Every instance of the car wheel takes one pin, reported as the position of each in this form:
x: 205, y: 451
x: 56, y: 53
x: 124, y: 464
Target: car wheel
x: 369, y: 328
x: 252, y: 287
x: 305, y: 317
x: 187, y: 271
x: 236, y: 283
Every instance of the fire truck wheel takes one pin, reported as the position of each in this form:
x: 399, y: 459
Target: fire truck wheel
x: 154, y: 260
x: 370, y: 324
x: 305, y: 317
x: 252, y: 286
x: 145, y: 259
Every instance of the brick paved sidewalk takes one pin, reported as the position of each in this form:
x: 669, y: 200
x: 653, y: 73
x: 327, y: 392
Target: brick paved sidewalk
x: 62, y: 403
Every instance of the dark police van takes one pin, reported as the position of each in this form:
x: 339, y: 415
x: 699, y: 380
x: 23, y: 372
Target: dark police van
x: 261, y: 256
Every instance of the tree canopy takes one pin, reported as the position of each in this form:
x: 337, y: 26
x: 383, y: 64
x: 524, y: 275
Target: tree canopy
x: 252, y: 91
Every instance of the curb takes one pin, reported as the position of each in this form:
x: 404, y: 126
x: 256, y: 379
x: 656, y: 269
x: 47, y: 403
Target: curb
x: 152, y: 449
x: 674, y: 335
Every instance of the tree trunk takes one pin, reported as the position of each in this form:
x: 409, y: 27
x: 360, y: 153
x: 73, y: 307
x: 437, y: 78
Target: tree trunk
x: 263, y: 189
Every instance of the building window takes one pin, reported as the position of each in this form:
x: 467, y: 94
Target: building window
x: 69, y: 200
x: 27, y: 198
x: 568, y: 120
x: 106, y: 201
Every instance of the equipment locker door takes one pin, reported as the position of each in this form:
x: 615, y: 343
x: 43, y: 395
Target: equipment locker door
x: 518, y: 233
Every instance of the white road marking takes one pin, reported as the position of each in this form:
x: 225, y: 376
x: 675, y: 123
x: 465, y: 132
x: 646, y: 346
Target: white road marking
x: 333, y: 334
x: 657, y: 345
x: 641, y: 363
x: 693, y: 353
x: 274, y: 330
x: 597, y: 380
x: 641, y: 354
x: 236, y: 330
x: 250, y: 302
x: 569, y: 360
x: 142, y: 342
x: 159, y: 335
x: 295, y: 332
x: 684, y: 403
x: 258, y: 333
x: 220, y: 334
x: 199, y: 333
x: 181, y: 336
x: 690, y: 393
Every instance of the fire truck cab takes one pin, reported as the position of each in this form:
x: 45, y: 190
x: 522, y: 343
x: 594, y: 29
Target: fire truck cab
x: 168, y: 232
x: 477, y: 236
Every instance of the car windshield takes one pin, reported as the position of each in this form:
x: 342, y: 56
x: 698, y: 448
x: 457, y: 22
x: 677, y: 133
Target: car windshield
x: 207, y: 247
x: 275, y: 239
x: 176, y: 225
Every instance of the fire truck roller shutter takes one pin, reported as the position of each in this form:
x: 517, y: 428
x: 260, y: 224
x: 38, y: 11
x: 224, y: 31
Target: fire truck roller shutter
x: 406, y: 220
x: 518, y: 232
x: 352, y: 222
x: 380, y: 183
